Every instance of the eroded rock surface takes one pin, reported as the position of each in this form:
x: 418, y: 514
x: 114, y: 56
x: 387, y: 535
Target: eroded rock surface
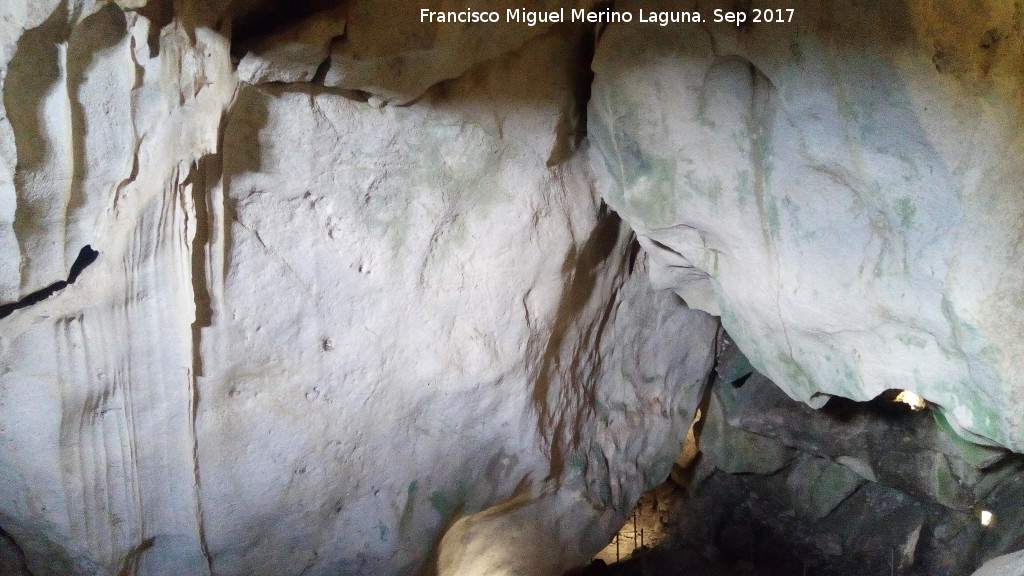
x: 359, y: 307
x: 447, y: 335
x: 843, y: 189
x: 321, y: 335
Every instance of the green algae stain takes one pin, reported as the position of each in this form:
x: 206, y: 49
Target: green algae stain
x: 947, y: 488
x: 705, y: 122
x: 912, y: 340
x: 409, y: 508
x: 711, y: 262
x: 744, y: 187
x: 764, y: 151
x: 906, y: 210
x: 848, y: 111
x: 773, y: 217
x: 794, y: 373
x: 382, y: 531
x: 796, y: 51
x: 446, y: 503
x: 709, y: 189
x: 577, y: 463
x: 646, y: 188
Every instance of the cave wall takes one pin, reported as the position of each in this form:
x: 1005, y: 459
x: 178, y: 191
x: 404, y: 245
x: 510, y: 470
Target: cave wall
x: 360, y: 308
x: 322, y: 332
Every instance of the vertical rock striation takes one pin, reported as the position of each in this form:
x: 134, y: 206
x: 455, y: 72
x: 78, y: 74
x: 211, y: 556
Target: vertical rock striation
x: 103, y: 115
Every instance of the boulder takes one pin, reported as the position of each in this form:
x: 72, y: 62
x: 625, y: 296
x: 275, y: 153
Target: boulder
x: 843, y: 189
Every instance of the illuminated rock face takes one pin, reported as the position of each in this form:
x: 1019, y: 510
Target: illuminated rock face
x: 454, y: 327
x: 844, y: 190
x: 320, y: 335
x: 327, y: 335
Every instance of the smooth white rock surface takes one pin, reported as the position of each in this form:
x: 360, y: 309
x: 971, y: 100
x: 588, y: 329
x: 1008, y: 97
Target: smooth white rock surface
x: 844, y: 190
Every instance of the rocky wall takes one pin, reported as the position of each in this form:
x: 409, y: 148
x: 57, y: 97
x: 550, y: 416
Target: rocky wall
x: 321, y: 332
x: 843, y: 189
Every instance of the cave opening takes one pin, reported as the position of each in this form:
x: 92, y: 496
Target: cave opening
x: 766, y: 485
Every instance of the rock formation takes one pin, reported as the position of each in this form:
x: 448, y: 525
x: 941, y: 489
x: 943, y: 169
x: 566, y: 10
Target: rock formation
x: 320, y: 332
x: 377, y: 296
x: 844, y: 191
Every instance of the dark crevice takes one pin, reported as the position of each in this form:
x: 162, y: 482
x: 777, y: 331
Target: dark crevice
x: 266, y: 18
x: 664, y: 247
x: 204, y: 173
x: 572, y: 124
x: 160, y: 13
x: 321, y: 71
x: 584, y: 84
x: 206, y: 169
x: 131, y: 562
x: 86, y: 256
x: 739, y: 382
x: 22, y: 559
x: 634, y: 250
